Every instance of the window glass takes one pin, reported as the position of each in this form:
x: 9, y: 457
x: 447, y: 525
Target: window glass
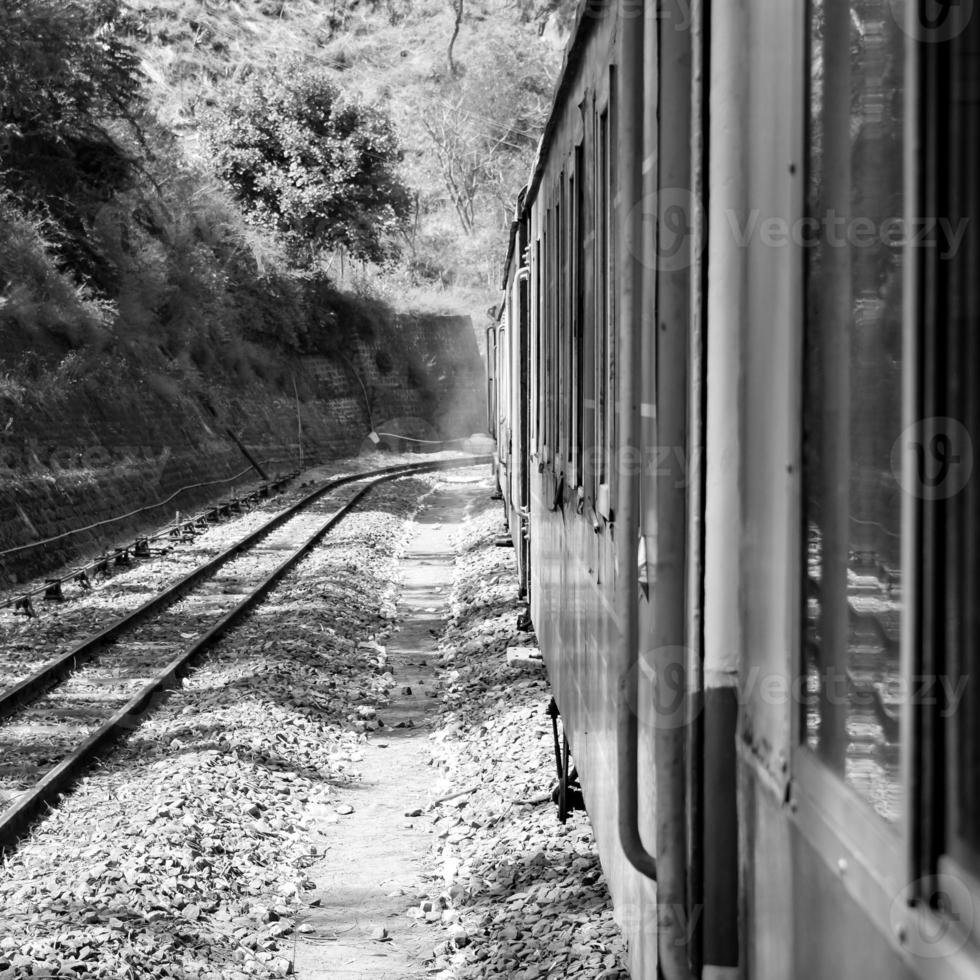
x: 536, y: 352
x: 601, y: 295
x: 550, y: 390
x: 568, y: 324
x: 853, y: 244
x: 957, y: 407
x: 558, y: 318
x: 612, y: 208
x: 578, y: 314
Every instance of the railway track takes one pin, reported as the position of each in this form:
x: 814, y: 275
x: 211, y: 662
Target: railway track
x: 54, y: 722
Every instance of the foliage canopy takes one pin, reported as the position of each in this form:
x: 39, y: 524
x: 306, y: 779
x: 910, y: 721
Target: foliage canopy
x: 321, y: 169
x: 67, y: 77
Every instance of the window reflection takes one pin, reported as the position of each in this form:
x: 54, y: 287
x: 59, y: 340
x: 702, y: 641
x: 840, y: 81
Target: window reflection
x: 852, y: 413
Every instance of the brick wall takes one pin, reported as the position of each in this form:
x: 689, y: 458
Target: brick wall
x: 422, y: 367
x: 90, y: 457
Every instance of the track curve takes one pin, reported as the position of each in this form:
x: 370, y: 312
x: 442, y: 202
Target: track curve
x: 240, y: 577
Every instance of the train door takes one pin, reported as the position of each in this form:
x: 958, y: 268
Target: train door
x: 665, y: 761
x: 857, y: 309
x: 524, y: 408
x: 491, y: 335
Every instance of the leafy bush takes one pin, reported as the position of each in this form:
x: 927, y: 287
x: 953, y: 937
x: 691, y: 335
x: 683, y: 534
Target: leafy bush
x: 114, y: 232
x: 37, y: 298
x: 69, y: 82
x: 316, y: 166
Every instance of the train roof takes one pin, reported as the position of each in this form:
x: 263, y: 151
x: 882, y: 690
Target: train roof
x: 511, y: 246
x: 573, y: 54
x: 585, y: 23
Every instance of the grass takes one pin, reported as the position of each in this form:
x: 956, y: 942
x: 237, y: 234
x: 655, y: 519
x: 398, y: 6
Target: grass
x: 392, y: 53
x: 196, y: 295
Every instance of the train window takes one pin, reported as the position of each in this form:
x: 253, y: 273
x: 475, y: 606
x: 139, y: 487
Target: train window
x: 568, y: 324
x: 559, y: 326
x: 553, y: 351
x: 548, y: 386
x: 951, y: 508
x: 612, y: 205
x: 605, y: 361
x: 853, y: 360
x: 578, y: 314
x: 536, y: 353
x: 572, y: 343
x: 601, y: 297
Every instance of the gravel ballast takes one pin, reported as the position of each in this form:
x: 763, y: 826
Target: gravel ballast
x: 186, y: 855
x: 191, y: 851
x: 522, y: 895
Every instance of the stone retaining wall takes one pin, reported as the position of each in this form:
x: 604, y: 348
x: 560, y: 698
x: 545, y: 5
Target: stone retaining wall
x: 91, y: 457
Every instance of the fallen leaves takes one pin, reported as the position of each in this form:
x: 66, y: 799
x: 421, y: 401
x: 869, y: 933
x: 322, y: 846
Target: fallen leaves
x: 520, y: 895
x: 186, y: 854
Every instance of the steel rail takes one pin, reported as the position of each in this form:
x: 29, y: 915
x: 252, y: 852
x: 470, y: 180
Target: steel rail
x: 15, y: 601
x: 18, y: 818
x: 31, y: 687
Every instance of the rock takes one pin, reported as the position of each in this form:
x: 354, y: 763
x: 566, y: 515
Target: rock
x: 512, y: 885
x: 181, y: 848
x: 524, y: 655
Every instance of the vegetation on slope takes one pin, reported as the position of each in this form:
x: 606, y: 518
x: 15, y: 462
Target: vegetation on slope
x: 154, y: 200
x: 466, y: 83
x: 314, y: 166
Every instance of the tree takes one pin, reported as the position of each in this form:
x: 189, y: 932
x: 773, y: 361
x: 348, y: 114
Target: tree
x: 483, y: 136
x: 321, y: 169
x: 457, y: 6
x: 68, y: 79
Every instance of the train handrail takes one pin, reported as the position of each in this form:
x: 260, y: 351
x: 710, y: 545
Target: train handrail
x: 627, y: 721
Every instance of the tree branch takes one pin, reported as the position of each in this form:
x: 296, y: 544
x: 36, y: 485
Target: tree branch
x: 458, y: 9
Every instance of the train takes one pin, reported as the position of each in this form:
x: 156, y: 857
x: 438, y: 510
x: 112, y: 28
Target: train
x: 734, y: 381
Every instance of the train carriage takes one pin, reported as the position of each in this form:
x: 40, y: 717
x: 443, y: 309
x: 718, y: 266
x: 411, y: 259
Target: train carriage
x: 735, y: 390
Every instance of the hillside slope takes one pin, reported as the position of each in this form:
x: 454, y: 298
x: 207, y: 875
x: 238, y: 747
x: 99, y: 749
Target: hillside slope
x: 144, y: 313
x: 468, y: 121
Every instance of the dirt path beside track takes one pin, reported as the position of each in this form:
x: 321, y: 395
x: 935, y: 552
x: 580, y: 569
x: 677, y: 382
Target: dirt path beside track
x: 376, y: 864
x: 444, y: 869
x: 340, y: 790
